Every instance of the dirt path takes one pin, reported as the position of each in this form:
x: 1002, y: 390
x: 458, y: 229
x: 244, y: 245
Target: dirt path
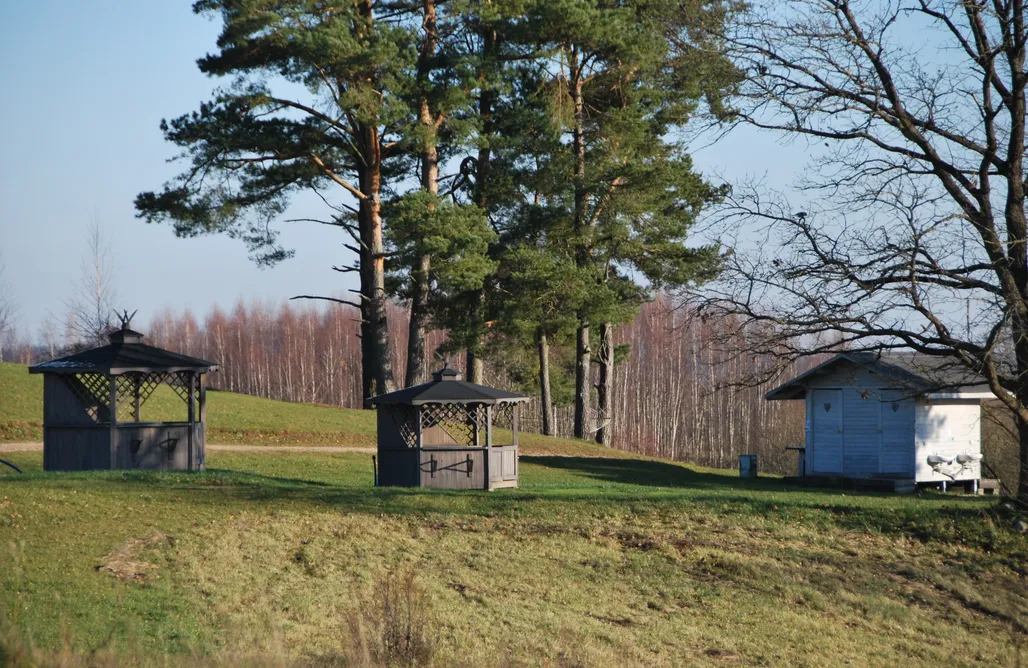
x: 36, y: 447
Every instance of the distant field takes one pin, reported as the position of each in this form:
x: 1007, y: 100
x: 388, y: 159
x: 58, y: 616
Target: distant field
x: 238, y: 418
x: 278, y: 558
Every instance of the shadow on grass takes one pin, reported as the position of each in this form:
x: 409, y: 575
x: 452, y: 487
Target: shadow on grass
x: 654, y: 473
x: 644, y: 472
x: 556, y: 498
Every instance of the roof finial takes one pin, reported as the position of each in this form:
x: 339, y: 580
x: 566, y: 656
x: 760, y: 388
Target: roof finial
x: 125, y: 318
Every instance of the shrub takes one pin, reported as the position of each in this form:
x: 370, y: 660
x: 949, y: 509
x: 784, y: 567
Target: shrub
x: 392, y: 627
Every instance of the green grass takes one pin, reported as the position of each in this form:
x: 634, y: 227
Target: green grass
x: 237, y: 419
x: 591, y: 562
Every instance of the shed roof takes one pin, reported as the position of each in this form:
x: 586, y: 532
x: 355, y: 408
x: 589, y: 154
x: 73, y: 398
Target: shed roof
x: 125, y: 353
x: 446, y: 387
x: 920, y: 373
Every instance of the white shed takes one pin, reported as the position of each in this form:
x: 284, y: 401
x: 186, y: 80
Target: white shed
x: 890, y: 415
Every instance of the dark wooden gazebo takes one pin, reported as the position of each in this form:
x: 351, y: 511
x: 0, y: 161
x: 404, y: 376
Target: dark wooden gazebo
x: 92, y: 401
x: 441, y: 434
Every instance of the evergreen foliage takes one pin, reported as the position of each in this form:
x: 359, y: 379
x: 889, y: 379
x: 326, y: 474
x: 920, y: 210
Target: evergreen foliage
x: 512, y: 170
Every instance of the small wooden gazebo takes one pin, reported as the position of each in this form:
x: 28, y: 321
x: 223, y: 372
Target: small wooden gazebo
x: 92, y: 402
x: 441, y: 434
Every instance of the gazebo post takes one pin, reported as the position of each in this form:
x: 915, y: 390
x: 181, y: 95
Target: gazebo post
x: 112, y: 381
x: 514, y: 423
x: 488, y: 427
x: 417, y: 427
x: 135, y: 399
x: 202, y: 443
x: 418, y: 442
x: 192, y: 419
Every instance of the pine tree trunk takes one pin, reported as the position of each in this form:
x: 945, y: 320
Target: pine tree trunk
x: 417, y: 371
x: 583, y: 366
x: 475, y: 366
x: 583, y: 357
x: 604, y: 388
x: 486, y: 100
x: 377, y: 369
x: 544, y: 384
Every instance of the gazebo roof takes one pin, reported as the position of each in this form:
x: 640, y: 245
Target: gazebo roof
x: 446, y: 387
x: 125, y: 353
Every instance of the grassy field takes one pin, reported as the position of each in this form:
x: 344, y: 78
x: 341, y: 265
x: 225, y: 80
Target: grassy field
x: 235, y: 418
x: 282, y: 557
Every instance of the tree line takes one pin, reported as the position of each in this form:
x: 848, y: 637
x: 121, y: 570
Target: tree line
x: 512, y: 172
x: 674, y: 393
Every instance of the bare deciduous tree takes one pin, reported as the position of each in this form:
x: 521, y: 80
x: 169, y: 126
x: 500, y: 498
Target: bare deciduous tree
x: 7, y: 306
x: 914, y: 230
x: 90, y: 309
x: 48, y: 335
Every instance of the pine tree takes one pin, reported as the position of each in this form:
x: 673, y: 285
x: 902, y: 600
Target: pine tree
x: 622, y: 81
x: 313, y: 105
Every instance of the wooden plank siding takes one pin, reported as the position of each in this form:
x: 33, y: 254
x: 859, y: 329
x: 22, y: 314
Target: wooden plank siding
x: 76, y: 448
x: 453, y: 468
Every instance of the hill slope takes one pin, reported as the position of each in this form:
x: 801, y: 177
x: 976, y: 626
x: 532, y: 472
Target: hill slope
x: 284, y: 557
x: 240, y: 418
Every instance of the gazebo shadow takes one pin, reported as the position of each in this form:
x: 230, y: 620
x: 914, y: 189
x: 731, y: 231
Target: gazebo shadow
x: 645, y: 472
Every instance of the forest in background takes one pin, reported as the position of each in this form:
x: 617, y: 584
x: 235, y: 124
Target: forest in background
x: 680, y: 392
x: 671, y: 385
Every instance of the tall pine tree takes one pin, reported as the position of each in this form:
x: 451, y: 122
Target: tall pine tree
x: 313, y: 105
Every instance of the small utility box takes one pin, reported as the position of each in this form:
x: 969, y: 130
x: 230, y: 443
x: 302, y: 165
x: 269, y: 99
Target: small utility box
x: 747, y: 466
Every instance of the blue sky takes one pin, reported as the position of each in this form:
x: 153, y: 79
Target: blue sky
x: 84, y: 87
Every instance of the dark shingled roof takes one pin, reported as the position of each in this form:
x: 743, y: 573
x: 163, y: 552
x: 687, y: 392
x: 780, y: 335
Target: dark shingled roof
x: 915, y: 371
x: 446, y: 387
x: 124, y: 353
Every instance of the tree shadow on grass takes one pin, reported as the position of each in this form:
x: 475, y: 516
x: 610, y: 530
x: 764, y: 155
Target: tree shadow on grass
x: 653, y: 473
x: 649, y: 473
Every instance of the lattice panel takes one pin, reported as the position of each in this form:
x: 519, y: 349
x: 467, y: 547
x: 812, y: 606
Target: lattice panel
x: 91, y: 389
x: 148, y: 384
x: 503, y: 415
x: 401, y: 418
x: 180, y: 383
x: 457, y: 420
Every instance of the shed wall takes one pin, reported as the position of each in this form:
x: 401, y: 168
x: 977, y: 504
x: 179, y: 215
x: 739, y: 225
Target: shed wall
x: 388, y: 431
x: 76, y: 448
x: 61, y: 406
x: 398, y: 468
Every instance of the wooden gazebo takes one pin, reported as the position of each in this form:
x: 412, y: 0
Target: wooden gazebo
x: 92, y: 402
x: 441, y: 434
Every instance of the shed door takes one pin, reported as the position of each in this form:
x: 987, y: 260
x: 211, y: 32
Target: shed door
x: 860, y: 436
x: 897, y: 433
x: 826, y: 432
